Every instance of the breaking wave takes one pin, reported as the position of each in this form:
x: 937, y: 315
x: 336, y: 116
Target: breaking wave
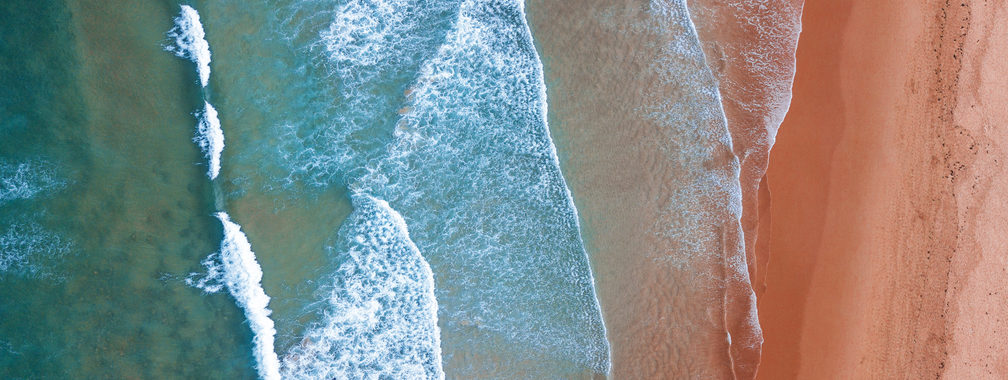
x: 210, y: 138
x: 235, y: 268
x: 190, y: 42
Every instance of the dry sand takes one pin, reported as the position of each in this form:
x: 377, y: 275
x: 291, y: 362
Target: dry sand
x: 887, y: 238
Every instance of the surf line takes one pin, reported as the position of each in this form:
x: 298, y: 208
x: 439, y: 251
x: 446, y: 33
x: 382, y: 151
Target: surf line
x: 234, y: 266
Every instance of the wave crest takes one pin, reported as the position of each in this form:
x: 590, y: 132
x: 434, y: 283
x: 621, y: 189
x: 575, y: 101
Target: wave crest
x: 190, y: 42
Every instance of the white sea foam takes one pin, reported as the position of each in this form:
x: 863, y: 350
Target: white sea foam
x: 235, y: 267
x: 363, y: 55
x: 29, y: 250
x: 474, y: 173
x: 210, y: 138
x: 190, y: 42
x: 213, y: 280
x: 363, y: 33
x: 24, y: 180
x: 380, y: 320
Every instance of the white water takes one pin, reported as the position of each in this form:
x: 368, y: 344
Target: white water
x: 472, y: 169
x: 190, y: 42
x: 23, y: 180
x: 380, y: 320
x: 235, y: 267
x: 26, y: 247
x: 30, y: 250
x: 242, y: 276
x: 210, y: 138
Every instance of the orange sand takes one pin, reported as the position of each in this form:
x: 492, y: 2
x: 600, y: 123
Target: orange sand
x: 887, y: 244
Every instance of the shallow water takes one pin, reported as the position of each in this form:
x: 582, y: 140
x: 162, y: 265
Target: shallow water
x: 646, y: 146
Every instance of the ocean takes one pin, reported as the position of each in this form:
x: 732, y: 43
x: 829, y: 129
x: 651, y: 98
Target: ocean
x: 385, y: 189
x: 285, y: 189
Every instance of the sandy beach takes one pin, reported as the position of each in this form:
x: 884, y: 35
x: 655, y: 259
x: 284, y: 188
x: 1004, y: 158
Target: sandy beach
x: 886, y: 242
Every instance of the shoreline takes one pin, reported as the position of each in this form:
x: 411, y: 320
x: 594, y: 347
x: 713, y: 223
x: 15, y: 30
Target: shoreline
x: 647, y: 155
x: 750, y: 48
x: 880, y: 184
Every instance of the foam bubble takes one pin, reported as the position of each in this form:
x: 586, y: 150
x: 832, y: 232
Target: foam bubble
x: 27, y: 248
x: 210, y: 138
x: 380, y: 320
x: 213, y: 280
x: 190, y: 42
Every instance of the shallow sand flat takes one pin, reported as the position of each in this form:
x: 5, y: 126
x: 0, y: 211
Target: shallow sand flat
x: 637, y: 121
x: 886, y: 250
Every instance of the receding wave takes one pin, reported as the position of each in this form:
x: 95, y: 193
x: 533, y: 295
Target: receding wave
x: 190, y: 42
x: 380, y: 317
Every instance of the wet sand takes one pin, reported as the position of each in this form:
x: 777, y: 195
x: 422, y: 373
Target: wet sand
x: 886, y: 240
x: 637, y: 121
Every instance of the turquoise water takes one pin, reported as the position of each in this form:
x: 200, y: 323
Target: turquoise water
x: 383, y: 199
x: 113, y: 206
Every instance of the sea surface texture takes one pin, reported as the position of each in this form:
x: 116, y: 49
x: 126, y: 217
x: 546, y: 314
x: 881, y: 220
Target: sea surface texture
x: 388, y: 203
